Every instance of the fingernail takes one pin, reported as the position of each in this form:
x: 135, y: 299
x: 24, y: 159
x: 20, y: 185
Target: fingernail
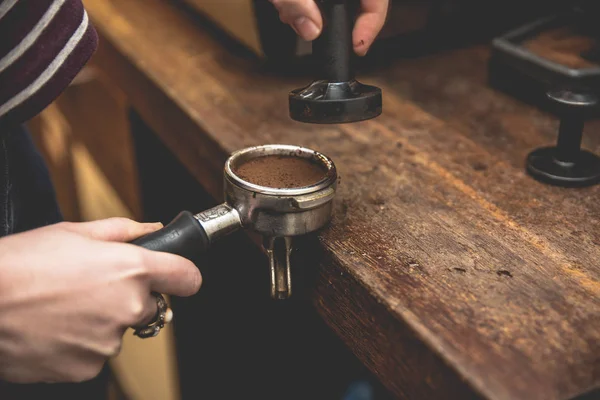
x: 306, y: 29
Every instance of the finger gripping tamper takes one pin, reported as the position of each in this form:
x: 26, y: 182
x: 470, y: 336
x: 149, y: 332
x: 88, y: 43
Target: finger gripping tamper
x: 566, y: 164
x: 335, y: 96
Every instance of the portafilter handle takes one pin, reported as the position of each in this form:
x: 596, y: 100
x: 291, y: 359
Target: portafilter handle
x: 189, y: 235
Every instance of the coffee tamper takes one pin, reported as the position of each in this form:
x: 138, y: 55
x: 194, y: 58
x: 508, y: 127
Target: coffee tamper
x: 335, y: 96
x: 566, y: 164
x: 278, y: 214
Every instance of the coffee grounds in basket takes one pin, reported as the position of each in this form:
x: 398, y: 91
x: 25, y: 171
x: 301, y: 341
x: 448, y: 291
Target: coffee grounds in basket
x: 281, y: 172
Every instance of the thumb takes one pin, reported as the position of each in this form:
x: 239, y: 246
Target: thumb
x: 113, y: 229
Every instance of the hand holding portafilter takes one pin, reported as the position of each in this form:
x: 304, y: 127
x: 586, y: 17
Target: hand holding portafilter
x: 335, y: 96
x: 277, y: 213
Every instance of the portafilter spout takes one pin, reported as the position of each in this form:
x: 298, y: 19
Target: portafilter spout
x: 278, y: 191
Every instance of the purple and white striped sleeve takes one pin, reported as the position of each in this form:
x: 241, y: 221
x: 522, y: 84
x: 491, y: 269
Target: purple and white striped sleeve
x: 43, y: 45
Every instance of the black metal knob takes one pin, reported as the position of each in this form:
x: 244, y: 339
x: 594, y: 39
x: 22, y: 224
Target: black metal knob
x: 566, y: 164
x: 335, y: 96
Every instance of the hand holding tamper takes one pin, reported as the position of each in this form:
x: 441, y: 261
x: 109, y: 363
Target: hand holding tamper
x: 336, y: 96
x: 566, y: 164
x: 279, y: 191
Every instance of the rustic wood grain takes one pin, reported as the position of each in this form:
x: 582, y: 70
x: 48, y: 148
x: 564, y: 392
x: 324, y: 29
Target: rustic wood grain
x: 446, y: 269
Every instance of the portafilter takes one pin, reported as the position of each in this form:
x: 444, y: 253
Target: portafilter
x: 278, y: 191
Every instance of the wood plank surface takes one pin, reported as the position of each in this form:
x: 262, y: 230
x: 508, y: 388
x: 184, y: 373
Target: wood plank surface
x: 446, y: 269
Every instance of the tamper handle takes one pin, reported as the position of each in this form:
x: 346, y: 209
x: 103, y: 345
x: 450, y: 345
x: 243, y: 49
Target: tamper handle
x: 333, y: 48
x: 183, y: 236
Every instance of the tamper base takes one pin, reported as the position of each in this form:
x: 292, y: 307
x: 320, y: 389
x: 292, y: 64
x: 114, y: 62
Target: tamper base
x: 324, y: 102
x: 543, y: 165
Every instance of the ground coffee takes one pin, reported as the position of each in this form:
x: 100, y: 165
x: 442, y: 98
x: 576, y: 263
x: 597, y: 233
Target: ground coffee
x: 282, y: 172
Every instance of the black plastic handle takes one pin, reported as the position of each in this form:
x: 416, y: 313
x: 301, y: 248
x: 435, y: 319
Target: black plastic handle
x: 183, y: 236
x: 333, y: 48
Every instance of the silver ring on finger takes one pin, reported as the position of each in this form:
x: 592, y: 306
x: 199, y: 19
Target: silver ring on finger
x: 164, y: 315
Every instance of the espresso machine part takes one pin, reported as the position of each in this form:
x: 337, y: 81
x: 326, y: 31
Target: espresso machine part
x: 278, y: 214
x: 554, y: 50
x: 566, y: 164
x: 336, y: 96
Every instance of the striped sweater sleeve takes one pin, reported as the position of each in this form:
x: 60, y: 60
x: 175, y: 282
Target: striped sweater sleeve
x: 43, y: 45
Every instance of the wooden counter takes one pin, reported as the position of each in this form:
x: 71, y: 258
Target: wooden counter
x: 447, y: 270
